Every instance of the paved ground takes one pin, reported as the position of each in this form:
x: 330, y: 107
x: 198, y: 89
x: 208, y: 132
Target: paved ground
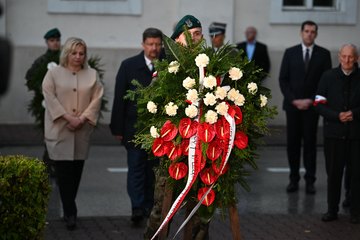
x: 267, y: 212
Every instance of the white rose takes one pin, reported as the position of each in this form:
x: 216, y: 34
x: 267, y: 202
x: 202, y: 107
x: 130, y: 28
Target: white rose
x: 263, y: 100
x: 202, y: 60
x: 174, y: 67
x: 211, y: 117
x: 235, y: 96
x: 235, y: 73
x: 191, y: 111
x: 209, y: 99
x: 240, y: 100
x: 151, y: 107
x: 192, y: 95
x: 153, y: 132
x: 51, y: 65
x: 252, y: 87
x: 209, y: 82
x: 188, y: 83
x: 221, y: 92
x: 222, y: 108
x: 171, y: 109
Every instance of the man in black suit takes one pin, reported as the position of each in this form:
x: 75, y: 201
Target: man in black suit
x: 5, y: 62
x: 255, y: 50
x: 338, y: 101
x: 301, y: 69
x: 140, y: 178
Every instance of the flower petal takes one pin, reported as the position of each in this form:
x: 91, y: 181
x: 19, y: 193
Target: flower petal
x: 178, y: 170
x: 168, y: 131
x: 214, y: 150
x: 209, y: 199
x: 222, y: 128
x: 187, y: 128
x: 207, y: 176
x: 206, y: 132
x: 241, y: 140
x: 158, y: 147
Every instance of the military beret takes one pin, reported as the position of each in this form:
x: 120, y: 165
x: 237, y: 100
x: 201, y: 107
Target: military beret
x: 189, y: 21
x: 216, y: 28
x: 52, y: 33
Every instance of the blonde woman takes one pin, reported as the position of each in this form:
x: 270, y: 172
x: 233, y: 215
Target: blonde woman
x: 72, y: 94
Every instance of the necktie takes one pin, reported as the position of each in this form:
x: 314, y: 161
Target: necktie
x: 307, y: 59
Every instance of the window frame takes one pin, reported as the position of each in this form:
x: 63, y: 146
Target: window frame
x: 343, y: 12
x: 107, y: 7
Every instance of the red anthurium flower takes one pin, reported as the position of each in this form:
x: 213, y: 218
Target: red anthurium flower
x: 178, y: 170
x: 238, y: 115
x: 209, y: 199
x: 241, y: 140
x: 158, y: 147
x: 172, y: 151
x: 187, y: 128
x: 168, y: 131
x: 206, y: 132
x: 216, y: 167
x: 185, y: 147
x: 207, y: 176
x: 214, y: 150
x: 222, y: 128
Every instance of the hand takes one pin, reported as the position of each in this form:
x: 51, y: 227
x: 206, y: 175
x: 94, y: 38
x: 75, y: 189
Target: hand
x: 119, y: 137
x: 302, y: 104
x: 346, y: 116
x: 74, y: 123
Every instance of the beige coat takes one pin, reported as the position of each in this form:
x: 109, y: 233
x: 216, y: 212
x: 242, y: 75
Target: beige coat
x: 78, y: 94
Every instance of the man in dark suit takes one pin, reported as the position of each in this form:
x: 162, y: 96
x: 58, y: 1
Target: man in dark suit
x: 5, y: 61
x: 255, y: 50
x: 301, y: 69
x: 140, y: 178
x: 338, y: 101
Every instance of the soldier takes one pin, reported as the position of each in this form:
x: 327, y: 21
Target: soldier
x: 34, y: 78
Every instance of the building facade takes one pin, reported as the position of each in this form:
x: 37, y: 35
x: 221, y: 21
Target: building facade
x: 113, y: 30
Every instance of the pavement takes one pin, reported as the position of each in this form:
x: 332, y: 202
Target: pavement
x: 266, y: 212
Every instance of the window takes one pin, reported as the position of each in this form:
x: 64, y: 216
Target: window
x: 309, y: 3
x: 320, y: 11
x: 120, y: 7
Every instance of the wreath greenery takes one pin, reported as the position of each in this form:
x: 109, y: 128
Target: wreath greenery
x: 163, y: 107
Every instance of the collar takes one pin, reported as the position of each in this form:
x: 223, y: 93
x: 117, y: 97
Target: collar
x: 147, y: 61
x: 303, y: 47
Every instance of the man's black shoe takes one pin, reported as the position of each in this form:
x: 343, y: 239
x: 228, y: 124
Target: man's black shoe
x: 137, y: 215
x: 70, y: 222
x: 355, y: 219
x: 328, y: 217
x: 310, y: 188
x: 292, y: 187
x: 346, y: 203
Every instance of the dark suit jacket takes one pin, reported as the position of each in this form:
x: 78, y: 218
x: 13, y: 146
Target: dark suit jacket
x: 295, y: 83
x: 124, y: 111
x: 5, y: 64
x: 260, y: 56
x: 342, y: 94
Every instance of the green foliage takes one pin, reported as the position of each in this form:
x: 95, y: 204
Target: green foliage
x: 24, y: 196
x: 36, y: 74
x: 168, y: 87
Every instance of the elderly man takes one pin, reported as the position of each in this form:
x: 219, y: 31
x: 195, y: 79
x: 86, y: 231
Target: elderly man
x: 338, y: 101
x: 255, y: 50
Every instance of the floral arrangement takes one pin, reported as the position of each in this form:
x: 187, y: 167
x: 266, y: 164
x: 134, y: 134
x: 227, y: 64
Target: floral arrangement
x: 203, y: 116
